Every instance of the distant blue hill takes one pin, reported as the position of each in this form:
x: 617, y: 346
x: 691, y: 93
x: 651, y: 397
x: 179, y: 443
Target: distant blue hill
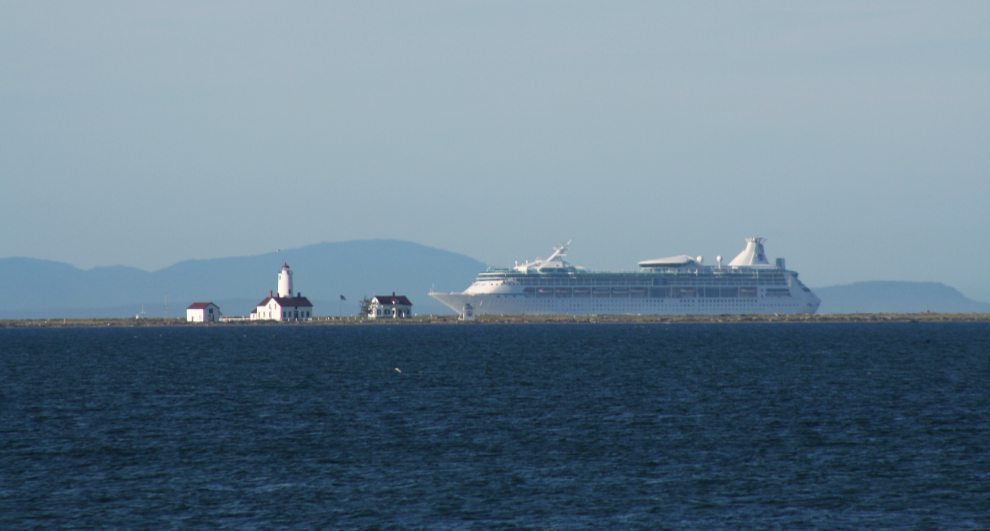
x: 896, y: 297
x: 31, y: 288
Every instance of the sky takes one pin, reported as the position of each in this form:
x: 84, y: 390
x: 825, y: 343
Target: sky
x: 853, y: 136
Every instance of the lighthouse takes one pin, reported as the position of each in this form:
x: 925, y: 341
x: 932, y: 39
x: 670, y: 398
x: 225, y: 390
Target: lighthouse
x: 283, y: 305
x: 285, y: 281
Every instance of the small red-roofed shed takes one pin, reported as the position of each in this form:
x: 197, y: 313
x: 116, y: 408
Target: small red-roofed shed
x: 200, y: 312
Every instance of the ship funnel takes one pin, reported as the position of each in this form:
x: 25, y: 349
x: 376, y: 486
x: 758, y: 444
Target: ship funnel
x: 752, y: 255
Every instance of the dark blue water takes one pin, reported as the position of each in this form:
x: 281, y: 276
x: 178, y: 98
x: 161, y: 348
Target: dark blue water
x: 803, y: 426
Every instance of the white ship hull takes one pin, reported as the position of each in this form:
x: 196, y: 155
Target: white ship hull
x: 670, y: 286
x: 492, y: 304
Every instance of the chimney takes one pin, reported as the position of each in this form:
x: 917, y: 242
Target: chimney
x: 269, y: 294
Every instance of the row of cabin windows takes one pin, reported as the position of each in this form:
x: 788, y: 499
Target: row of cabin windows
x: 672, y: 292
x: 637, y: 279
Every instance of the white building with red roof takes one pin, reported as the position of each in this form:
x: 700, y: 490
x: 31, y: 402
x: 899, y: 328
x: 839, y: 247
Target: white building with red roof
x: 201, y: 312
x: 283, y: 306
x: 389, y: 307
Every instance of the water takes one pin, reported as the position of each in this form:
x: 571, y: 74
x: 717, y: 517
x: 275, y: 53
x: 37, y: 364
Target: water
x: 786, y: 426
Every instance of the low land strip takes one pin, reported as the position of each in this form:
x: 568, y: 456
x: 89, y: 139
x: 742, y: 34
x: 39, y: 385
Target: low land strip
x: 518, y: 319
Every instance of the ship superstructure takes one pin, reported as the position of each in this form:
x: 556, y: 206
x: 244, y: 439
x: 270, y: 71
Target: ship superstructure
x: 675, y: 285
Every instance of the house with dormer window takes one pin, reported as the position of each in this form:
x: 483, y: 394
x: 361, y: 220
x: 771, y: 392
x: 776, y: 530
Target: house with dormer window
x: 389, y: 307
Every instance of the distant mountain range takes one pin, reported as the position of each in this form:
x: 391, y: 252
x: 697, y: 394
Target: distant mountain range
x: 33, y: 289
x: 896, y: 297
x: 38, y: 289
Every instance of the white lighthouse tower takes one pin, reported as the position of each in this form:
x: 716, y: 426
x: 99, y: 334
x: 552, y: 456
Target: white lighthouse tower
x: 285, y: 282
x: 284, y: 305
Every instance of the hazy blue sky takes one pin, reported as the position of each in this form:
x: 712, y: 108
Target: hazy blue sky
x: 855, y: 136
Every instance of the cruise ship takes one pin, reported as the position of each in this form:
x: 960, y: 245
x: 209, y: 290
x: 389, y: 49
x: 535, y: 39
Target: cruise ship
x: 676, y: 285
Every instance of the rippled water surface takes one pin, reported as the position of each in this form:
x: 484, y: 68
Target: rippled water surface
x: 786, y: 426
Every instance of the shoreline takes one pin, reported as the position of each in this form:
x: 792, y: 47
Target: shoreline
x: 516, y: 319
